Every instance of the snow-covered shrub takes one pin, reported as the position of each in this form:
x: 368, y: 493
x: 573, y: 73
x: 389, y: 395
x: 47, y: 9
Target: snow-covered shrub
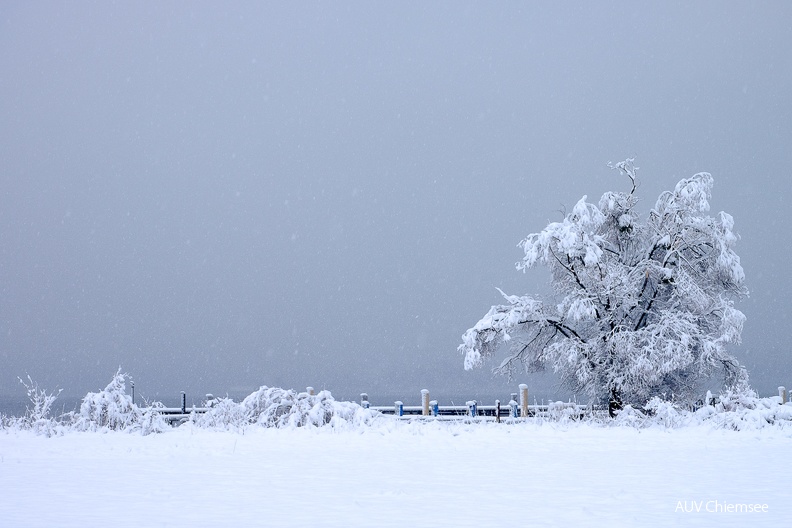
x: 737, y: 408
x: 222, y: 413
x: 283, y: 408
x: 37, y: 416
x: 562, y: 412
x: 737, y: 398
x: 629, y: 416
x: 757, y: 413
x: 276, y: 407
x: 152, y: 421
x: 666, y: 413
x: 110, y: 409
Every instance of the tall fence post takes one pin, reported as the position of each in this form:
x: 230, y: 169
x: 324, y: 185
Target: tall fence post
x: 497, y: 411
x: 399, y: 408
x: 183, y: 402
x: 425, y: 402
x: 133, y: 391
x: 364, y: 401
x: 523, y: 400
x: 782, y: 393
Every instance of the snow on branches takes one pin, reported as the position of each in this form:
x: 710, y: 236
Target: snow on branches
x: 640, y: 308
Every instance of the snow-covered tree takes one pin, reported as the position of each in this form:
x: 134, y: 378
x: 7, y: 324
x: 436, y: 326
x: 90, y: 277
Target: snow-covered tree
x: 640, y: 308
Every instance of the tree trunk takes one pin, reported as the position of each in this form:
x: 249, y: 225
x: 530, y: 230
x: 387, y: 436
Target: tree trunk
x: 614, y: 403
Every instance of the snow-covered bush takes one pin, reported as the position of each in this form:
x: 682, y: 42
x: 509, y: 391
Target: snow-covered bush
x: 737, y: 398
x: 630, y: 417
x: 768, y: 413
x: 282, y: 408
x: 222, y: 413
x: 562, y: 412
x: 110, y: 409
x: 151, y: 420
x: 275, y: 407
x: 737, y: 408
x: 666, y: 413
x: 37, y: 416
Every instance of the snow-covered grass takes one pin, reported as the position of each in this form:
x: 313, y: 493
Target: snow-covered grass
x: 393, y: 473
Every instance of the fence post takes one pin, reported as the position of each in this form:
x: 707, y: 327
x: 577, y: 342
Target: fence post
x: 133, y: 391
x: 523, y: 400
x: 783, y: 394
x: 364, y: 401
x: 183, y: 402
x: 399, y: 408
x: 425, y: 402
x: 513, y: 407
x: 497, y: 411
x: 435, y: 408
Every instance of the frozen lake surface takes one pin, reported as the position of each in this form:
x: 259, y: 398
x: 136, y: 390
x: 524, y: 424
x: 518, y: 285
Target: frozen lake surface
x: 398, y: 474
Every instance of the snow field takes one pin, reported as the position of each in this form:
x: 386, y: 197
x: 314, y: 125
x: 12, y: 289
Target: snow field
x: 396, y: 474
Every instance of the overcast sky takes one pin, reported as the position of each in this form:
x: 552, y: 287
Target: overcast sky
x: 218, y: 196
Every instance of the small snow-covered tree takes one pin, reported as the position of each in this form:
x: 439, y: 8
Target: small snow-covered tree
x: 640, y: 308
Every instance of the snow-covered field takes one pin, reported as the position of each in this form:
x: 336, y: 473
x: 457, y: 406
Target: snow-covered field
x: 399, y: 474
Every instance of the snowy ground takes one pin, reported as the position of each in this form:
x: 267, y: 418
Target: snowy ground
x: 397, y: 474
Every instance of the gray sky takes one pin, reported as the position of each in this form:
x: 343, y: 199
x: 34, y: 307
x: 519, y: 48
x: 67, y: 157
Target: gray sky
x: 217, y: 196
